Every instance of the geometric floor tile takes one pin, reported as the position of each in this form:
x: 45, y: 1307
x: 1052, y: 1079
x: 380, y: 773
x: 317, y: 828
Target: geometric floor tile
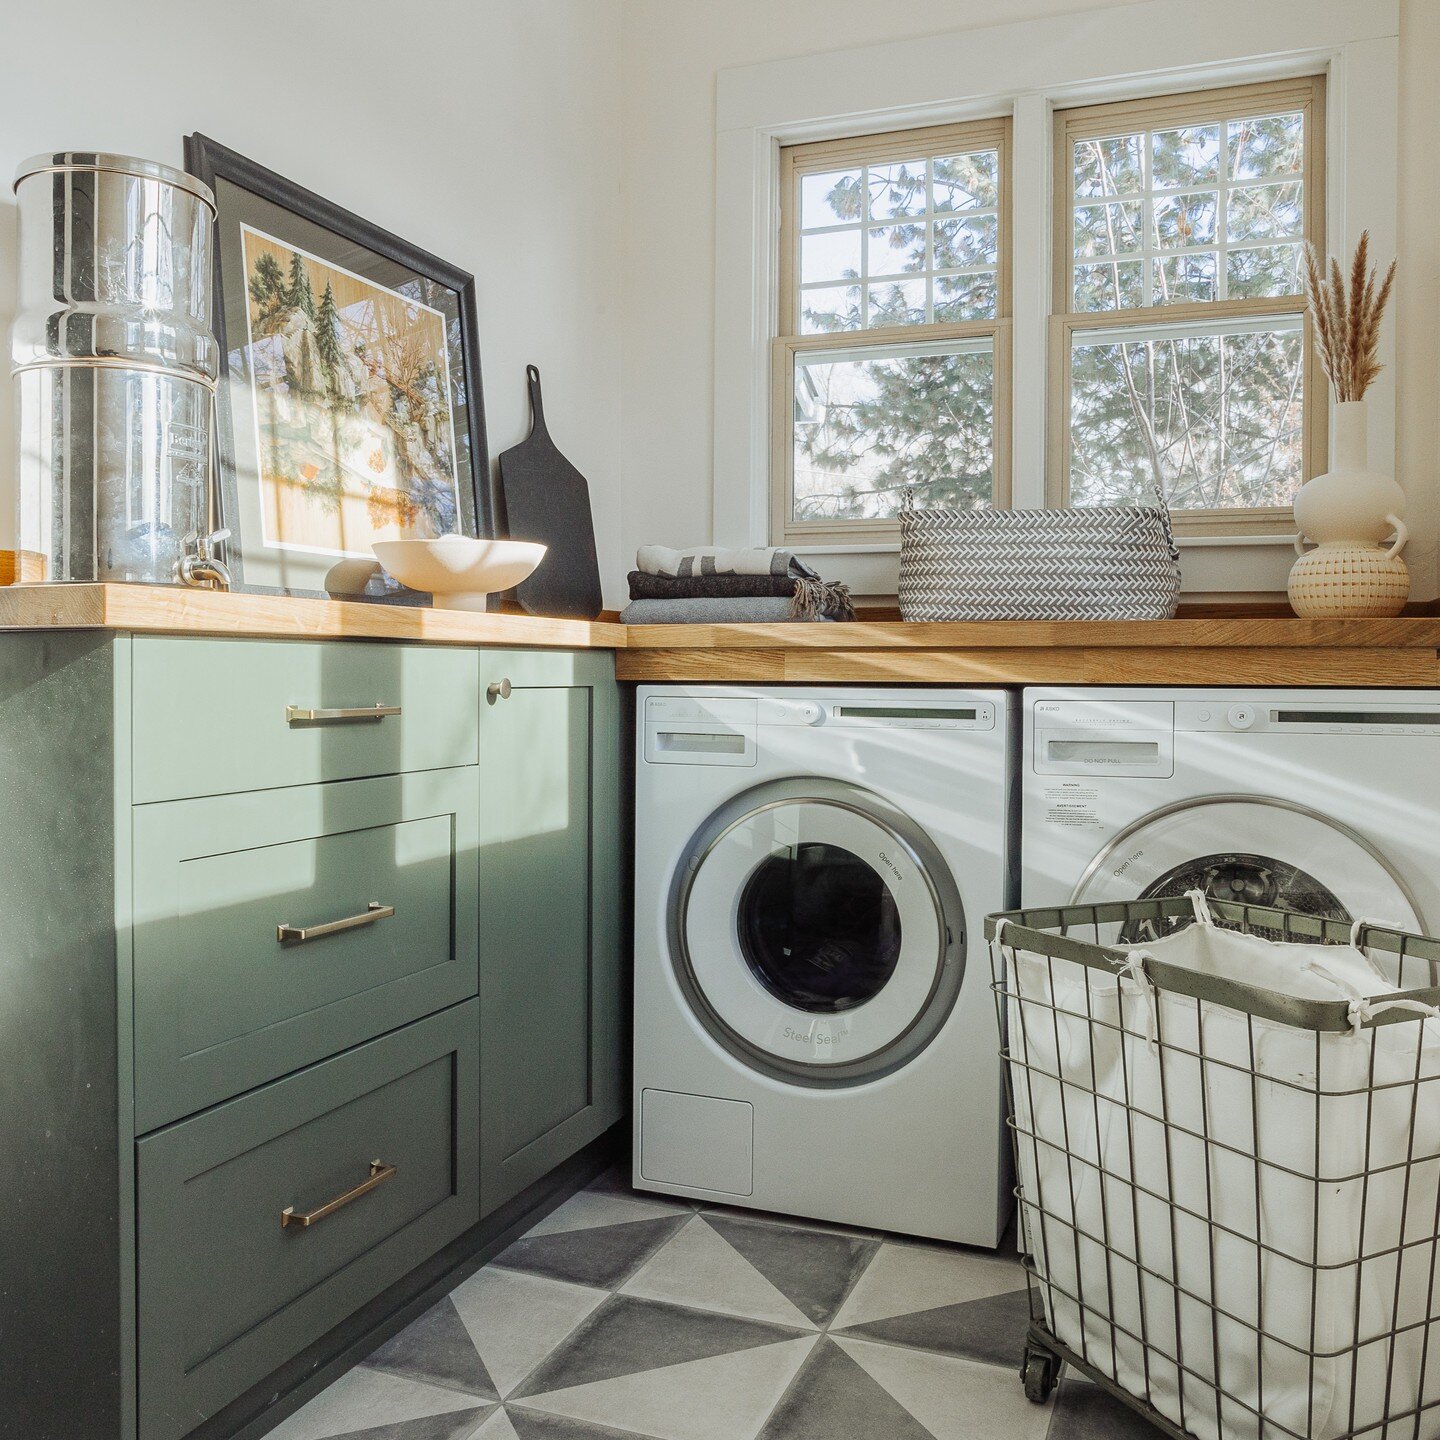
x: 698, y: 1267
x: 437, y: 1348
x: 460, y: 1426
x: 590, y: 1208
x: 515, y: 1320
x: 904, y: 1278
x: 948, y: 1396
x: 990, y: 1330
x: 1083, y: 1411
x: 629, y: 1317
x: 833, y: 1397
x: 721, y: 1397
x: 533, y: 1425
x: 814, y: 1269
x: 601, y: 1256
x: 627, y: 1335
x: 365, y: 1400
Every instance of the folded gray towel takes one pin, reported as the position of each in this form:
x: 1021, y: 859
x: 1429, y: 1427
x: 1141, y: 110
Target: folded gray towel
x: 737, y: 610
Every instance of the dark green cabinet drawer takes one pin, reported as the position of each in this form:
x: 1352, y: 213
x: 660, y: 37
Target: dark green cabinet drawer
x: 226, y: 1292
x: 550, y: 886
x: 215, y: 716
x: 222, y: 1003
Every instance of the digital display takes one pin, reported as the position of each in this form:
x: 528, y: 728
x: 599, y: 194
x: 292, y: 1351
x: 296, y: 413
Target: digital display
x: 1355, y: 717
x: 902, y: 712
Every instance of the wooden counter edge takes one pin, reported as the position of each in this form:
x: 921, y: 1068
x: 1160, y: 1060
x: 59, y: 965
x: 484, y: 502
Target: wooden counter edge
x: 1419, y: 632
x: 173, y: 611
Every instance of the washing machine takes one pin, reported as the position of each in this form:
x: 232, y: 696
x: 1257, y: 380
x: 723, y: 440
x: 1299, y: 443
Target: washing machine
x: 1321, y: 801
x: 814, y: 1028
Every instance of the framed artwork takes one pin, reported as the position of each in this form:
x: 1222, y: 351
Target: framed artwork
x: 350, y: 398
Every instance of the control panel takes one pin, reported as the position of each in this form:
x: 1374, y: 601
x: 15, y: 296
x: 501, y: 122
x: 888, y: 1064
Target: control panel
x: 1104, y: 737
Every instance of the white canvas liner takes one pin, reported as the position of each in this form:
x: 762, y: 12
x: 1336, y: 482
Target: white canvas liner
x: 1232, y: 1217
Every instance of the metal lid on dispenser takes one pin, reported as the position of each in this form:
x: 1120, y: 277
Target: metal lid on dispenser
x: 77, y: 161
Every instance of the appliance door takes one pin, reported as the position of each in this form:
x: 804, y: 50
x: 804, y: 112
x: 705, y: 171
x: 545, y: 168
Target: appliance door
x: 1253, y: 851
x: 816, y: 932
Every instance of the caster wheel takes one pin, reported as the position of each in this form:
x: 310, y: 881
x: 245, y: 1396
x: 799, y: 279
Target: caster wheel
x: 1040, y: 1373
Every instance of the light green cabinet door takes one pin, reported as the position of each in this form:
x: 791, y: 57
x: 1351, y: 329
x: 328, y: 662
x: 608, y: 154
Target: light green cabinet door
x: 550, y: 886
x: 276, y: 928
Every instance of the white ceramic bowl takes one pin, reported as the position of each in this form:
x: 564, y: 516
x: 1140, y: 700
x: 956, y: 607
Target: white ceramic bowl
x: 459, y: 572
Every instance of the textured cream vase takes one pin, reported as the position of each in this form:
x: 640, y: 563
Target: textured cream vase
x: 1347, y: 512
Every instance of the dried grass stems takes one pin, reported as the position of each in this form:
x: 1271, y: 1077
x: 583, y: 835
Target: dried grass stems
x: 1347, y: 317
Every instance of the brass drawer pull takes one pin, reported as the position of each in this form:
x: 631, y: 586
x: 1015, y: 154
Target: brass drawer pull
x: 379, y: 1174
x: 294, y: 934
x: 299, y: 715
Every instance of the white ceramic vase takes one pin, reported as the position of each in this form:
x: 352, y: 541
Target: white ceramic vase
x: 1347, y: 513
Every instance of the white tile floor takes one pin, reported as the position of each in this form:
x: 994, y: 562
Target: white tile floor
x: 623, y: 1315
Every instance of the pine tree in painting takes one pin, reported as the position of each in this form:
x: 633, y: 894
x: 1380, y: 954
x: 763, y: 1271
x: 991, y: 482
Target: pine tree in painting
x: 267, y: 284
x: 298, y: 294
x: 327, y: 334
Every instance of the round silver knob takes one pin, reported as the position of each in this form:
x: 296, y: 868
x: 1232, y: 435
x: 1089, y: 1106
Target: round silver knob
x: 498, y: 690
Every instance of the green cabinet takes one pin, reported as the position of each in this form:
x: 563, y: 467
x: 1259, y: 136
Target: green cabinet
x: 375, y: 1149
x: 283, y: 915
x: 228, y: 877
x: 551, y: 881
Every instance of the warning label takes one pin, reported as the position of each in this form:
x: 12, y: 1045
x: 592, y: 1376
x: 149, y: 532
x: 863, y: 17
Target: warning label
x: 1072, y: 807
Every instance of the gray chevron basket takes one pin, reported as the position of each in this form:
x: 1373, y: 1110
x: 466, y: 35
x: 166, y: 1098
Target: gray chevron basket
x: 1103, y: 562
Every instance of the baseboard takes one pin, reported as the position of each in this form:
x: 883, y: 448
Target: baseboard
x: 259, y: 1411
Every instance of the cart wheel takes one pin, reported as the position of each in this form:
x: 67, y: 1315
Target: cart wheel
x: 1040, y: 1373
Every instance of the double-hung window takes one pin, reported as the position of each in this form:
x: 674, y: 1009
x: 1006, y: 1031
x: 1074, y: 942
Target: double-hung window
x: 1178, y: 350
x: 892, y: 364
x: 1178, y: 360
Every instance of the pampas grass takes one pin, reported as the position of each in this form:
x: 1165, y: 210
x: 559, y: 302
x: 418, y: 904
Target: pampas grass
x: 1347, y: 315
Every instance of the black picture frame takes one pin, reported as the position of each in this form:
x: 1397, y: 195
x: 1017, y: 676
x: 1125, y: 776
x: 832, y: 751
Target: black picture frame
x: 226, y: 171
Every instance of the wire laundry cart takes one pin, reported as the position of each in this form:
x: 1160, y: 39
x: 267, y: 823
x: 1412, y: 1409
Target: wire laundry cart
x: 1229, y: 1195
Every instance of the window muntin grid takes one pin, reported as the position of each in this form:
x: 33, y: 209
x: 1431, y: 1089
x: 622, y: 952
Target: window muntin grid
x: 1175, y: 214
x: 900, y: 241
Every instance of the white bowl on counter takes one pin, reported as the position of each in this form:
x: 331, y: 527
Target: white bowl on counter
x: 459, y: 572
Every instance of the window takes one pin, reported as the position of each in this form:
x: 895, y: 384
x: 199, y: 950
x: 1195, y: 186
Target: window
x: 1179, y: 355
x: 891, y: 368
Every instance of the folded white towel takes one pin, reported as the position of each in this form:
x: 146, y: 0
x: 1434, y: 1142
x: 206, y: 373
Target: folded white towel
x: 711, y: 560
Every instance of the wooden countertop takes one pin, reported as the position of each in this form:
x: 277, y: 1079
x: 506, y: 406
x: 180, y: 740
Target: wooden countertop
x: 170, y: 610
x: 1213, y: 651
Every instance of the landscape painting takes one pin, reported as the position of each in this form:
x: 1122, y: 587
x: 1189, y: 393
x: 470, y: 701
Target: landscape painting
x: 354, y: 422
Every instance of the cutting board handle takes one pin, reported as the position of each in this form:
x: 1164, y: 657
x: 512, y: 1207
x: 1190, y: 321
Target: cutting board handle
x: 537, y: 405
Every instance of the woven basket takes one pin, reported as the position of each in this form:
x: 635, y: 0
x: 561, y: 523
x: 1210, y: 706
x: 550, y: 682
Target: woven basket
x: 1112, y: 562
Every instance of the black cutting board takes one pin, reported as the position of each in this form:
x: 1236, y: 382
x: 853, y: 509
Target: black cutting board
x: 546, y: 499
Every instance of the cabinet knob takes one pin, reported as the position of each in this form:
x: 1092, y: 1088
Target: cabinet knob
x: 498, y: 690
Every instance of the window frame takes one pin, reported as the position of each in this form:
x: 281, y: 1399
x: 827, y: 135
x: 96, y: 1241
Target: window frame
x: 811, y: 157
x: 1305, y: 94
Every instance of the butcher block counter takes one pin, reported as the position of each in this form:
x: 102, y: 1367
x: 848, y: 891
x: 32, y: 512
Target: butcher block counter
x: 1212, y: 651
x: 1229, y: 650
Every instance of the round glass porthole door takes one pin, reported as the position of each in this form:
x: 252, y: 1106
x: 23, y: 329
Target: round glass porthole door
x: 817, y: 932
x: 1251, y: 851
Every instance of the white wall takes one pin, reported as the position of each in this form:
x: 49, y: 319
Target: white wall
x: 486, y: 131
x: 672, y: 51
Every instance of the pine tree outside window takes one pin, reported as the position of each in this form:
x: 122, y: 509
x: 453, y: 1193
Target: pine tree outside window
x: 1179, y: 355
x: 891, y: 369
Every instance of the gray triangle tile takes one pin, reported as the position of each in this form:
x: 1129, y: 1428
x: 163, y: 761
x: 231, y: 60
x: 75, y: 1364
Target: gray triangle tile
x: 534, y: 1425
x: 1083, y: 1411
x: 460, y: 1425
x: 813, y: 1269
x: 602, y: 1256
x: 832, y: 1396
x: 437, y: 1347
x: 991, y: 1330
x: 627, y: 1335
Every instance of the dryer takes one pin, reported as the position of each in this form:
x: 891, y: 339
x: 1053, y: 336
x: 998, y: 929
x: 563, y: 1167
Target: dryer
x: 1322, y: 801
x: 814, y: 1028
